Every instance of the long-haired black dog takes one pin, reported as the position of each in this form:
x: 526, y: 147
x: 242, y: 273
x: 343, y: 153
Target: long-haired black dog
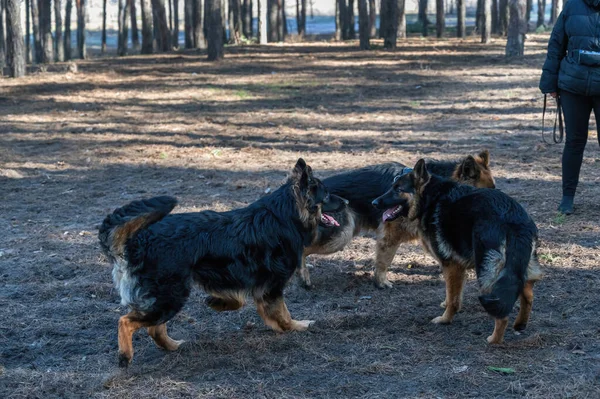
x: 465, y: 227
x: 361, y: 186
x: 254, y: 251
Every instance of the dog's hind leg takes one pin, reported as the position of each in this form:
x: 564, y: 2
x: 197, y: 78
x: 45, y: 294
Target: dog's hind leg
x: 389, y: 239
x: 128, y: 325
x: 497, y: 336
x: 304, y: 274
x: 526, y: 304
x: 454, y: 275
x: 162, y: 339
x: 226, y: 301
x: 275, y: 314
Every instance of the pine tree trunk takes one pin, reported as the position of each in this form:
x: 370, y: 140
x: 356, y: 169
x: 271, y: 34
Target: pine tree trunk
x: 198, y: 27
x: 247, y: 19
x: 67, y: 38
x: 440, y: 18
x: 503, y: 16
x: 81, y: 34
x: 517, y: 28
x: 2, y: 39
x: 147, y: 27
x: 37, y: 38
x: 215, y: 30
x: 401, y: 19
x: 103, y: 48
x: 224, y: 5
x: 135, y: 35
x: 170, y: 19
x: 555, y: 10
x: 15, y: 48
x: 27, y: 31
x: 58, y: 47
x: 262, y: 21
x: 390, y: 30
x: 351, y: 20
x: 235, y: 21
x: 280, y: 21
x: 46, y: 30
x: 188, y: 23
x: 461, y: 10
x: 163, y: 41
x: 495, y: 18
x: 425, y: 20
x: 372, y: 19
x: 422, y: 11
x: 363, y: 24
x: 528, y: 12
x: 123, y: 18
x: 541, y: 13
x: 343, y: 9
x: 272, y: 21
x: 479, y: 19
x: 175, y: 35
x: 486, y: 32
x: 338, y: 22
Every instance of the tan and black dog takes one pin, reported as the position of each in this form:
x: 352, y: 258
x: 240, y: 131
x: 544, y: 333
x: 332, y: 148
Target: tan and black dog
x: 361, y: 186
x: 253, y: 251
x: 465, y: 227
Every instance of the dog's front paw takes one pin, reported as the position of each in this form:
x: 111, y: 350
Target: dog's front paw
x: 124, y: 360
x: 441, y: 320
x: 383, y: 282
x: 443, y: 305
x: 493, y: 340
x: 301, y: 325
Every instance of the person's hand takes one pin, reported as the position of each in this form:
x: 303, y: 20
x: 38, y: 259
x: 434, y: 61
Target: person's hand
x: 554, y: 95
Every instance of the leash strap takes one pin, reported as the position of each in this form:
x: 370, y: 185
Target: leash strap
x: 558, y: 122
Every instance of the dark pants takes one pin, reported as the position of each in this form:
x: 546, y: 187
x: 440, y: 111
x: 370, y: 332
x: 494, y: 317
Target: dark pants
x: 577, y: 110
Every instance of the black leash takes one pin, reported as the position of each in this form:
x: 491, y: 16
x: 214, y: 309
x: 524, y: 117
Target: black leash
x: 558, y: 121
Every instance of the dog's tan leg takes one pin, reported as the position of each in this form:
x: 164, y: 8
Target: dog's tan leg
x: 127, y: 327
x: 162, y: 339
x: 526, y: 304
x: 275, y: 314
x: 304, y: 274
x: 497, y: 336
x: 454, y: 275
x: 226, y: 300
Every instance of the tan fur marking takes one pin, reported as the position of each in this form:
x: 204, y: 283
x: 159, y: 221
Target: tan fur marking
x: 525, y: 307
x: 390, y: 236
x: 122, y: 233
x: 162, y: 339
x: 454, y: 275
x: 227, y: 300
x: 275, y: 314
x: 497, y: 336
x: 492, y: 265
x: 126, y: 329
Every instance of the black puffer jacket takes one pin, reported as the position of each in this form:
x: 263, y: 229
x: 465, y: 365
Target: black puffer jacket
x: 577, y: 28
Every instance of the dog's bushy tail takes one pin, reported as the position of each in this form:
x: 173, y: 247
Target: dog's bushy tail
x: 125, y: 222
x: 504, y: 290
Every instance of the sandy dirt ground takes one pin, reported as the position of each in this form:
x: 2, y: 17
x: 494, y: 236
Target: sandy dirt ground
x: 218, y: 136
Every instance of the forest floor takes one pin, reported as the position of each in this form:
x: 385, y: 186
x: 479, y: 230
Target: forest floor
x: 218, y: 136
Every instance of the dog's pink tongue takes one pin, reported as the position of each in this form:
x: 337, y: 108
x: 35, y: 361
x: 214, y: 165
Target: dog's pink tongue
x: 388, y: 214
x: 331, y: 220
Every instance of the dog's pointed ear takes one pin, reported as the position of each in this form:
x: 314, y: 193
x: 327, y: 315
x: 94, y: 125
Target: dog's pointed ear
x: 469, y: 167
x: 301, y: 173
x: 484, y: 157
x: 421, y: 173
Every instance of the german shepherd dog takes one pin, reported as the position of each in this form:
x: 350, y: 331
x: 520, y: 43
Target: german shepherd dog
x: 250, y: 251
x: 465, y: 227
x: 360, y: 187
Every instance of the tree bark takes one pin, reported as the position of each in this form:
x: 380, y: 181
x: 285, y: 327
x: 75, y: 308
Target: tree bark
x: 517, y: 28
x: 495, y: 18
x: 15, y: 48
x: 343, y: 10
x: 103, y: 48
x: 58, y: 47
x: 170, y: 18
x: 351, y: 19
x: 27, y: 31
x: 372, y: 19
x: 461, y: 10
x: 198, y: 27
x: 235, y: 21
x: 479, y: 19
x: 528, y: 12
x: 541, y: 13
x: 135, y: 35
x: 67, y: 38
x: 390, y: 29
x: 163, y: 41
x: 123, y: 18
x: 503, y: 16
x: 284, y: 29
x: 188, y: 21
x: 440, y: 18
x: 424, y: 4
x: 273, y: 12
x: 301, y: 19
x: 2, y: 39
x: 175, y: 35
x: 401, y: 19
x: 147, y: 27
x: 247, y: 18
x: 215, y: 30
x: 46, y: 30
x: 363, y: 25
x: 555, y: 10
x: 262, y: 21
x: 81, y: 34
x: 486, y: 32
x: 37, y: 37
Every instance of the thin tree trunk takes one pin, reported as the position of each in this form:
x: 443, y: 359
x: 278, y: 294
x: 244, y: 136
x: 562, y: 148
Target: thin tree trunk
x: 163, y: 39
x: 81, y: 34
x: 67, y: 38
x: 103, y: 49
x: 555, y: 10
x: 401, y: 19
x: 486, y: 23
x: 351, y: 20
x: 175, y: 35
x: 170, y: 5
x: 37, y: 36
x: 224, y: 6
x: 147, y: 27
x: 372, y: 19
x: 272, y: 22
x: 541, y: 13
x: 495, y: 18
x: 58, y: 47
x: 135, y: 35
x: 343, y: 10
x: 301, y: 17
x: 517, y: 28
x: 14, y: 34
x: 479, y: 19
x: 528, y: 12
x: 123, y: 18
x: 461, y: 10
x: 27, y: 31
x: 390, y: 30
x: 235, y: 21
x: 188, y: 23
x: 424, y: 4
x: 215, y: 30
x: 363, y: 24
x: 2, y: 39
x: 280, y: 21
x: 262, y: 21
x: 46, y: 30
x: 284, y: 24
x: 383, y: 18
x: 338, y: 21
x: 198, y: 27
x: 503, y: 16
x: 422, y: 11
x: 440, y: 18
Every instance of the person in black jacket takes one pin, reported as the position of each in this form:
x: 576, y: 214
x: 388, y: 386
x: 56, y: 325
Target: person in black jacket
x: 572, y: 71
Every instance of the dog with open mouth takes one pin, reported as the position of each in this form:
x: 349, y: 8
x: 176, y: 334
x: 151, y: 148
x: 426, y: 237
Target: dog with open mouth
x: 157, y: 257
x: 465, y: 227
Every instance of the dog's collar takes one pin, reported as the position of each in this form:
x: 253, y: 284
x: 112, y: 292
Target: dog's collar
x: 405, y: 171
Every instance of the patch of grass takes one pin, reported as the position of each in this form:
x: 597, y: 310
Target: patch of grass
x: 559, y: 219
x: 163, y: 155
x: 242, y: 94
x: 549, y: 258
x: 415, y: 104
